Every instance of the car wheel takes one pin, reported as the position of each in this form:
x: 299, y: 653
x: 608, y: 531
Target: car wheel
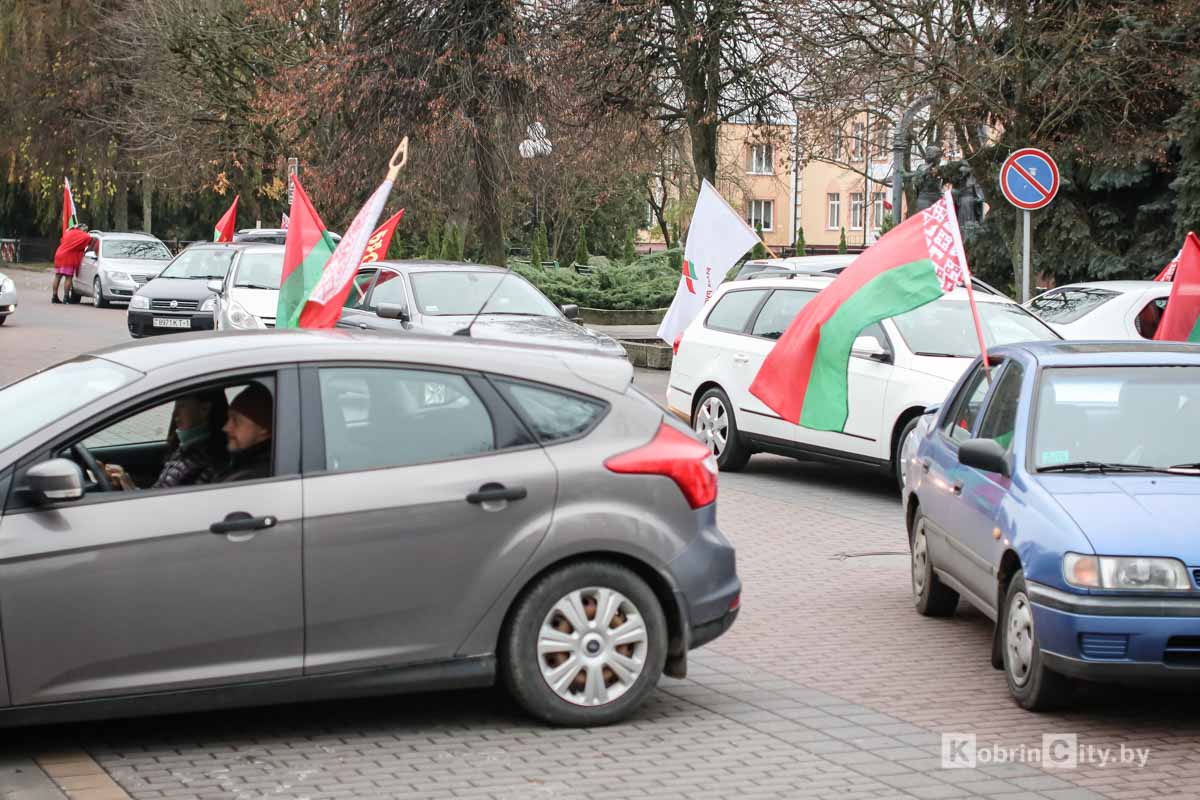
x: 2, y: 319
x: 1032, y: 685
x: 585, y: 645
x: 98, y: 294
x: 714, y: 423
x: 906, y: 449
x: 73, y: 296
x: 931, y: 597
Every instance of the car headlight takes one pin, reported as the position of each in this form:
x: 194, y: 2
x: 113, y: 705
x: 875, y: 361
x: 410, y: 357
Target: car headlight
x: 241, y: 319
x: 119, y: 276
x: 139, y: 301
x: 7, y: 285
x: 1125, y: 572
x: 209, y: 304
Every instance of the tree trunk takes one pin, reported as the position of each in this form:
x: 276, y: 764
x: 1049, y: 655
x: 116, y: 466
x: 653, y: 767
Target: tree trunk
x: 147, y: 200
x: 120, y: 203
x: 487, y: 172
x: 704, y: 151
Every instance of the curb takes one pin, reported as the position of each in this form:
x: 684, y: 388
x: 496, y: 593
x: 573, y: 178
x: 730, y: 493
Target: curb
x: 77, y: 776
x: 22, y: 779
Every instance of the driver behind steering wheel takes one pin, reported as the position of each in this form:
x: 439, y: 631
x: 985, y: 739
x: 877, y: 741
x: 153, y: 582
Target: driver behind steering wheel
x: 196, y: 444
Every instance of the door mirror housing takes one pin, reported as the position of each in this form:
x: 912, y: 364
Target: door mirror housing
x: 392, y: 311
x: 55, y: 481
x: 870, y: 347
x: 984, y: 454
x: 570, y: 311
x: 216, y: 286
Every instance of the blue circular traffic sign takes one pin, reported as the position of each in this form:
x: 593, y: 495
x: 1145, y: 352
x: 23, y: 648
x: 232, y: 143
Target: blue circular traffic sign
x: 1029, y: 179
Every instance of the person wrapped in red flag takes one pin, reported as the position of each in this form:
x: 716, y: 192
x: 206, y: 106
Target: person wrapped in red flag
x: 67, y: 259
x: 1181, y: 320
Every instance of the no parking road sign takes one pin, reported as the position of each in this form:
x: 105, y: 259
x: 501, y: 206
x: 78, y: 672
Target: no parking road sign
x: 1029, y: 179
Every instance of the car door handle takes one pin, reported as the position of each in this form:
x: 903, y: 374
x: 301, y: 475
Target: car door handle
x: 957, y: 487
x: 741, y: 358
x: 240, y: 521
x: 496, y: 492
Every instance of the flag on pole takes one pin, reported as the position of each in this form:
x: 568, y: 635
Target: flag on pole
x: 305, y: 253
x: 323, y: 305
x: 1181, y: 321
x: 717, y: 237
x: 223, y: 232
x: 804, y: 377
x: 284, y: 223
x: 69, y: 214
x: 1168, y: 272
x: 381, y: 240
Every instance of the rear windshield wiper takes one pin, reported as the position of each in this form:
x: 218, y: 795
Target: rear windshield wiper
x: 1099, y: 466
x: 1195, y: 465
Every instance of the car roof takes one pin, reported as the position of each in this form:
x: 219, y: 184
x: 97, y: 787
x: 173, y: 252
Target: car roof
x: 805, y: 262
x: 819, y: 282
x: 422, y: 265
x: 124, y: 235
x: 1068, y: 353
x: 236, y: 349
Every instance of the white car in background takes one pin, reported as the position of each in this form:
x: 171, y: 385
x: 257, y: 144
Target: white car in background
x: 8, y: 297
x: 898, y: 368
x: 249, y: 295
x: 1126, y: 310
x: 116, y: 265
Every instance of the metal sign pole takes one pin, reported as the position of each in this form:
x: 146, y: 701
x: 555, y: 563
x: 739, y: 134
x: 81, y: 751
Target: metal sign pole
x: 1026, y: 277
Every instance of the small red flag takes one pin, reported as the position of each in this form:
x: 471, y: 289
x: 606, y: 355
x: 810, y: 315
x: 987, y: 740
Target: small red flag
x: 223, y: 232
x: 1179, y: 321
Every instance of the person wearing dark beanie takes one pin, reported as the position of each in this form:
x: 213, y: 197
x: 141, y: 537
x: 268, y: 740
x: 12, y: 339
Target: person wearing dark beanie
x: 248, y: 429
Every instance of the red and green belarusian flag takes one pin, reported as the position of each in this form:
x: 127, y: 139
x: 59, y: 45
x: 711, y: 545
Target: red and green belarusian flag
x: 305, y: 253
x: 803, y: 378
x: 223, y: 232
x: 68, y: 213
x: 1181, y: 320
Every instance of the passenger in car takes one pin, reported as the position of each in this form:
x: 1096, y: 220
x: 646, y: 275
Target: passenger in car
x: 196, y: 444
x: 249, y: 430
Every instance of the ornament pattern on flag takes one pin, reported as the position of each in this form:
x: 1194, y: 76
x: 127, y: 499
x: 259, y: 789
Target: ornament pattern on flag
x: 939, y: 239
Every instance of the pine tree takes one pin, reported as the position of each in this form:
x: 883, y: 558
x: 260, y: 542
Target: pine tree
x: 886, y: 224
x: 543, y: 241
x: 629, y: 254
x: 448, y: 248
x: 460, y: 236
x: 842, y: 243
x: 581, y: 250
x: 433, y: 248
x: 801, y: 247
x: 535, y: 251
x: 759, y: 251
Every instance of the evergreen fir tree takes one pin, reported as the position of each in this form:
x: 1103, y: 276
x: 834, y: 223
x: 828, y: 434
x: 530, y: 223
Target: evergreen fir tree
x: 842, y: 243
x: 629, y: 254
x: 801, y: 247
x: 886, y: 225
x: 581, y: 250
x: 433, y: 248
x: 448, y: 248
x: 760, y: 250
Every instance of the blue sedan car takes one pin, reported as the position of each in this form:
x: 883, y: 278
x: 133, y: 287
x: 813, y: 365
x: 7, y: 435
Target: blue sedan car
x: 1060, y: 495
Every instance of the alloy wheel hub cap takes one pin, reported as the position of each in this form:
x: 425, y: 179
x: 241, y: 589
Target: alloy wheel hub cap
x: 592, y: 646
x: 712, y: 424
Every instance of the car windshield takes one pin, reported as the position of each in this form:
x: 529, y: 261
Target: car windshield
x: 463, y: 293
x: 202, y: 263
x: 35, y: 402
x: 1117, y: 415
x: 259, y: 269
x: 142, y: 249
x: 945, y: 327
x: 1062, y: 306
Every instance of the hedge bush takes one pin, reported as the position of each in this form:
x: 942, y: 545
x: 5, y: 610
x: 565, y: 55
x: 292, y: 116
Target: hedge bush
x: 648, y: 282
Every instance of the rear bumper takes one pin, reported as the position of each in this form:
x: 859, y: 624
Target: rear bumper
x: 141, y: 323
x: 709, y: 590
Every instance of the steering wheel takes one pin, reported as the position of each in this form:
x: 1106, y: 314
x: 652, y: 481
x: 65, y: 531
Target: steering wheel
x: 89, y: 461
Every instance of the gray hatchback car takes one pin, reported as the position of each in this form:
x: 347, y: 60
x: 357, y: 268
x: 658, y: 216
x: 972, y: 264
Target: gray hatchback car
x: 249, y: 518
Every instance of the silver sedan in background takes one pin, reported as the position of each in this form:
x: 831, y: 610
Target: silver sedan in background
x: 8, y: 297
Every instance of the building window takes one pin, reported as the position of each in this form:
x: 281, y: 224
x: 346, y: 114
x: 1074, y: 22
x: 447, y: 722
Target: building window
x: 858, y: 138
x: 837, y: 144
x: 761, y: 213
x: 883, y: 141
x: 857, y: 209
x: 877, y: 209
x: 762, y: 159
x: 834, y: 217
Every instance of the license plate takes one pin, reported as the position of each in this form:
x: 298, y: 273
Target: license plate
x: 163, y: 322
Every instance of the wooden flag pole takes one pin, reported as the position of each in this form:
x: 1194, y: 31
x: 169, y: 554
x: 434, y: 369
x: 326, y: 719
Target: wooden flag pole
x: 394, y: 166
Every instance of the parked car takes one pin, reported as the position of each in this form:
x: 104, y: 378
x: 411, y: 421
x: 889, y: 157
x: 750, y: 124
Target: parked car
x: 432, y: 512
x: 8, y: 297
x: 1129, y: 310
x: 1059, y: 496
x: 269, y: 236
x: 444, y: 297
x: 899, y: 367
x: 180, y: 299
x: 248, y: 295
x: 117, y: 265
x: 795, y: 264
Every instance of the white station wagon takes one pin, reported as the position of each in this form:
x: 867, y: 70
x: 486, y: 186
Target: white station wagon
x: 898, y: 368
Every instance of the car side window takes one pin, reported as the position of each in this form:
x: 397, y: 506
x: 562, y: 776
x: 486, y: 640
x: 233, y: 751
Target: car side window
x: 151, y: 425
x: 778, y: 312
x: 959, y: 423
x: 388, y: 289
x: 1148, y: 318
x: 357, y: 297
x: 1000, y: 418
x: 383, y: 417
x: 732, y: 312
x: 552, y: 414
x: 876, y: 331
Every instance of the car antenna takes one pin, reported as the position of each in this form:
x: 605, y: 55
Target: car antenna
x: 467, y: 330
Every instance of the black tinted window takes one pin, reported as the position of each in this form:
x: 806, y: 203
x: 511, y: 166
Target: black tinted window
x: 1000, y: 420
x: 778, y: 312
x: 733, y: 310
x: 358, y: 290
x: 1067, y: 305
x: 552, y: 414
x: 380, y: 417
x: 961, y: 420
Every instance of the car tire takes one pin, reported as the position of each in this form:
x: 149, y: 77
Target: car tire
x: 3, y: 319
x: 581, y: 696
x: 98, y: 294
x: 713, y: 416
x: 931, y: 597
x: 898, y: 465
x: 73, y: 297
x: 1033, y: 686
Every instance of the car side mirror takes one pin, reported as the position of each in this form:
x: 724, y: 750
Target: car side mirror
x: 90, y: 254
x: 984, y: 454
x: 55, y: 481
x: 570, y: 311
x: 870, y: 347
x: 392, y: 311
x: 216, y: 286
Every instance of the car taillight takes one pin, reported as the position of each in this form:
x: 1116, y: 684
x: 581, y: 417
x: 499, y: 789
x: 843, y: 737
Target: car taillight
x: 677, y: 456
x: 675, y: 344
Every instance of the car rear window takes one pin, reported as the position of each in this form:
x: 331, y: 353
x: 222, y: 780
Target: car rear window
x: 552, y: 414
x: 1069, y: 305
x: 779, y: 311
x: 732, y: 312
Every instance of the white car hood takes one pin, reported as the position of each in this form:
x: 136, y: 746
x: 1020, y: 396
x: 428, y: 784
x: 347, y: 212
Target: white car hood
x: 947, y: 368
x: 262, y: 303
x: 137, y: 266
